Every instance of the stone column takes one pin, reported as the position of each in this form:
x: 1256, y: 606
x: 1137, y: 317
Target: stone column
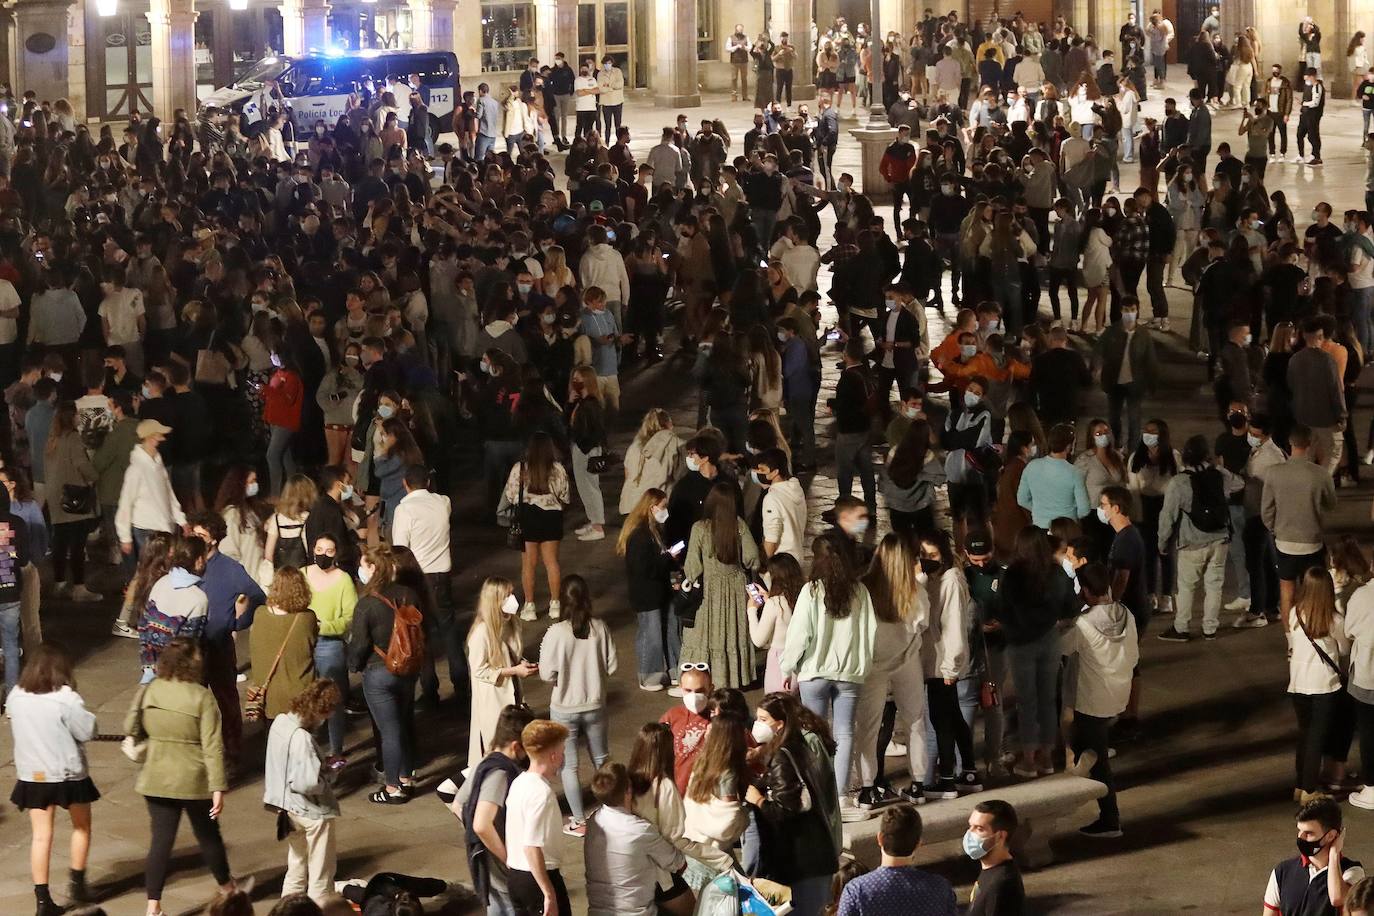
x: 875, y: 137
x: 305, y: 25
x: 557, y: 24
x: 174, y: 59
x: 432, y: 24
x: 794, y: 18
x: 467, y: 42
x: 675, y: 55
x: 42, y: 61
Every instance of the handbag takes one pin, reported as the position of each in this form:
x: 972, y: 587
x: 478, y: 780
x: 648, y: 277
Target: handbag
x: 515, y: 534
x: 687, y: 601
x: 78, y: 499
x: 255, y: 703
x: 135, y: 744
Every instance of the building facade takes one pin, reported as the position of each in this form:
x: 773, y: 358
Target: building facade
x: 112, y: 57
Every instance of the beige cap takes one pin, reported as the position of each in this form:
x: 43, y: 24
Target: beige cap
x: 148, y: 428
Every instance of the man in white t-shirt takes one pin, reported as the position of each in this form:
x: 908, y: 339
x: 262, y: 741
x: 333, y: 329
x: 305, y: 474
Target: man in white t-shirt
x: 122, y: 317
x: 585, y: 90
x: 534, y: 826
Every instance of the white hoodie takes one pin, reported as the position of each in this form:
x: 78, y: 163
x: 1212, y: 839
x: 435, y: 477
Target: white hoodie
x: 603, y: 266
x: 146, y: 499
x: 784, y: 518
x: 1104, y: 638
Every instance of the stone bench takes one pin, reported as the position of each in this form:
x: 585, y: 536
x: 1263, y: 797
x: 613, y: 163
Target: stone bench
x: 1043, y: 806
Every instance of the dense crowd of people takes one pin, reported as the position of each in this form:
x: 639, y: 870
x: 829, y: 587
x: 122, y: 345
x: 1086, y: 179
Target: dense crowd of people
x: 248, y: 371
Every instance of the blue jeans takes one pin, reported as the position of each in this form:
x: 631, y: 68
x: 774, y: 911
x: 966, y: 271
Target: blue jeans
x: 9, y: 635
x: 280, y: 462
x: 391, y: 701
x: 658, y: 641
x: 1035, y: 671
x: 819, y: 695
x: 499, y: 903
x: 592, y: 723
x: 484, y: 145
x: 331, y: 661
x: 968, y: 688
x: 1361, y: 303
x: 1236, y: 556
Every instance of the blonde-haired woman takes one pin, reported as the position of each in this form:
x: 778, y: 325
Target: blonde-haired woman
x: 285, y: 544
x: 557, y: 273
x: 587, y: 430
x: 901, y: 605
x: 494, y: 662
x: 282, y: 641
x: 654, y: 460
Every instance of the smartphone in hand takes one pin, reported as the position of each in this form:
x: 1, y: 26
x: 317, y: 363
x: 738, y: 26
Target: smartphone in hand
x: 676, y: 550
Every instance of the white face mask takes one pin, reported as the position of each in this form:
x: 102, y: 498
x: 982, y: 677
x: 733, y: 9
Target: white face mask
x: 763, y: 732
x: 1255, y: 441
x: 1068, y: 566
x: 858, y: 527
x: 694, y: 701
x: 55, y: 376
x: 968, y: 351
x: 971, y: 399
x: 251, y: 489
x: 1102, y: 515
x: 1150, y: 439
x: 660, y: 514
x: 1102, y: 440
x: 911, y: 413
x: 1128, y: 319
x: 510, y: 606
x: 693, y: 463
x: 364, y: 574
x: 1034, y: 450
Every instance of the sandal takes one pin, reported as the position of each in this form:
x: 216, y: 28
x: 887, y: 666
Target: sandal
x: 383, y: 797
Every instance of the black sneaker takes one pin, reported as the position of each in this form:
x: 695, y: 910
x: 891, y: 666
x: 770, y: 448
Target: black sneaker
x: 945, y: 788
x: 1173, y: 635
x: 872, y: 797
x: 914, y: 794
x: 1100, y: 829
x: 1209, y: 636
x: 969, y: 782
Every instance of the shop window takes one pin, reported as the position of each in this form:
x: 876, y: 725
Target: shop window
x: 507, y: 35
x: 706, y: 30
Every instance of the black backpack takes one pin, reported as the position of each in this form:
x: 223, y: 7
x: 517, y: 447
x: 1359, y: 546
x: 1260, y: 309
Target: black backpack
x: 1209, y: 511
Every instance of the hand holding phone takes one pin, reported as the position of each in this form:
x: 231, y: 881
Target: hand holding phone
x: 676, y: 550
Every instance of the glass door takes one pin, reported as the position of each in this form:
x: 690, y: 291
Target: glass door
x: 603, y: 28
x: 126, y: 65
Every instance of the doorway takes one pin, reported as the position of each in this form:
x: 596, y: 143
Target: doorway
x: 603, y: 29
x: 119, y: 65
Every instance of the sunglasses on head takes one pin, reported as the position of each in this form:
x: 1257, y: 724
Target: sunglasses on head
x: 695, y: 666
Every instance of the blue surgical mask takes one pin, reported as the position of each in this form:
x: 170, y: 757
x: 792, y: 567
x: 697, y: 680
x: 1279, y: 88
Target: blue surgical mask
x: 971, y: 399
x: 968, y: 351
x: 858, y: 527
x: 386, y: 411
x: 1102, y: 440
x: 346, y: 493
x: 975, y: 847
x: 1255, y: 441
x: 1150, y: 439
x: 251, y: 489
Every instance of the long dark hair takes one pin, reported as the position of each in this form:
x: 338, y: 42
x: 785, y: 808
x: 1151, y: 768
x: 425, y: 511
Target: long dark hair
x: 721, y: 512
x: 777, y: 706
x: 1140, y: 458
x: 1032, y: 557
x: 833, y: 568
x: 576, y: 598
x: 651, y: 759
x: 910, y: 456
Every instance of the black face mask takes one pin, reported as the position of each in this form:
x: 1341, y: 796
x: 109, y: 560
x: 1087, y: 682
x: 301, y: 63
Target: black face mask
x: 1237, y: 419
x: 324, y: 561
x: 1309, y: 848
x: 929, y: 567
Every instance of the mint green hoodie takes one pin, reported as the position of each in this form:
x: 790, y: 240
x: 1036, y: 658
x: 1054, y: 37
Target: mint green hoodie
x: 822, y: 646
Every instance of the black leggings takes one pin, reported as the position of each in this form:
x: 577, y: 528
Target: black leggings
x: 1322, y: 721
x: 1065, y: 277
x: 951, y: 730
x: 164, y: 814
x: 1281, y: 129
x: 69, y: 547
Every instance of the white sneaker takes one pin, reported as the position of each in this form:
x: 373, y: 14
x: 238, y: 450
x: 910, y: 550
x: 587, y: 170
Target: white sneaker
x: 1250, y: 622
x: 1084, y: 763
x: 675, y: 691
x: 83, y: 594
x: 651, y: 686
x: 1363, y: 798
x: 1164, y: 325
x: 1238, y: 604
x: 1369, y: 456
x: 528, y: 612
x: 583, y: 529
x: 1297, y: 160
x: 851, y: 813
x: 121, y: 628
x: 895, y: 750
x: 555, y: 610
x: 593, y: 534
x: 60, y: 589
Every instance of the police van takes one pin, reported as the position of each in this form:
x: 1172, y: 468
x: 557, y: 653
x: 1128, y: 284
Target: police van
x: 317, y: 85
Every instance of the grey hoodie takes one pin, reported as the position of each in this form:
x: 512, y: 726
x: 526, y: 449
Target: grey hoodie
x: 1104, y: 639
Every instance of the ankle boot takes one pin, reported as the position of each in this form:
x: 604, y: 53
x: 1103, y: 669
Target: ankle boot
x: 77, y: 892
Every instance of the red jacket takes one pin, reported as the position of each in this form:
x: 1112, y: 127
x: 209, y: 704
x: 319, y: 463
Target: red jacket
x: 281, y: 402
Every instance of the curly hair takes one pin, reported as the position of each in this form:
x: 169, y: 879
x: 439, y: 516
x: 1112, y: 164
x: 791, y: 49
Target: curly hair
x: 181, y: 661
x: 316, y: 702
x: 289, y: 592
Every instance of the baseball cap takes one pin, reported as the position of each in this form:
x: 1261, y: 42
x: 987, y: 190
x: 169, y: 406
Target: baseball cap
x: 148, y: 428
x: 979, y: 544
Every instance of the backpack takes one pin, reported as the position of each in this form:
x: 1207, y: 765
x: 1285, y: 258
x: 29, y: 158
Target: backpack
x: 406, y: 652
x: 1209, y: 511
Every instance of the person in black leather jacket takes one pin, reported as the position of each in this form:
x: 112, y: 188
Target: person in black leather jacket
x: 797, y: 846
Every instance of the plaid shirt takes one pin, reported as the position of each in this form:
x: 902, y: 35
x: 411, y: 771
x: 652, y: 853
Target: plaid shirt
x: 1132, y: 239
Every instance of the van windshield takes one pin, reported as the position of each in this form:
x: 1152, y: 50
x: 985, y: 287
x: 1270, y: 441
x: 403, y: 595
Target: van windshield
x: 269, y: 68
